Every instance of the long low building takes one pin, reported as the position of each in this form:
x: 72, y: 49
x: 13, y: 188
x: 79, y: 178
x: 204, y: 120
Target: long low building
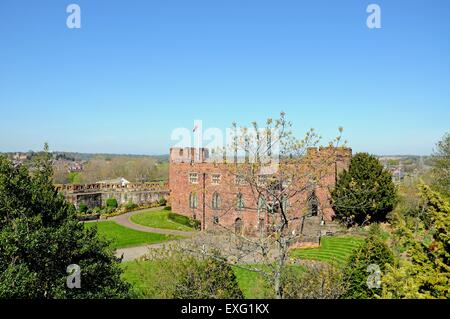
x: 94, y: 195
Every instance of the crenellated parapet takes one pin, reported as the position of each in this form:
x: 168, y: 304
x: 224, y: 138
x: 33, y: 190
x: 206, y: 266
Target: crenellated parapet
x: 97, y: 187
x: 96, y: 194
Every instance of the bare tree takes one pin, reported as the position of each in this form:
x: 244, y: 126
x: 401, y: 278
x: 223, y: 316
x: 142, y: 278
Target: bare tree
x: 275, y: 178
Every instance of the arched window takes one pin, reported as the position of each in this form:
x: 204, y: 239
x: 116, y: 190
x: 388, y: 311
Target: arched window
x: 313, y: 204
x: 193, y: 200
x: 261, y: 203
x: 238, y: 226
x: 240, y: 201
x: 262, y: 227
x: 216, y: 201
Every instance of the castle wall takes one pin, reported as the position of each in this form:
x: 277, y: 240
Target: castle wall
x: 184, y: 162
x: 94, y: 195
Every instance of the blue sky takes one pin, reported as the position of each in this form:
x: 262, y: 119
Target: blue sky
x: 138, y: 69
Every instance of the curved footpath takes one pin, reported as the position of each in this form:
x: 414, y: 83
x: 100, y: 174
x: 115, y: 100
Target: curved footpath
x: 132, y: 253
x: 125, y: 220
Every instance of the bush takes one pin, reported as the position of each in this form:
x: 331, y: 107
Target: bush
x: 86, y: 217
x: 109, y: 210
x: 184, y: 220
x: 111, y: 202
x: 130, y: 206
x: 82, y: 208
x: 196, y: 224
x: 168, y: 208
x: 318, y: 281
x: 162, y: 201
x: 97, y: 210
x: 424, y: 271
x: 373, y: 251
x: 177, y: 274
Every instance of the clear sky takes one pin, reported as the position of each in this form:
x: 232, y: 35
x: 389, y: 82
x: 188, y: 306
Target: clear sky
x: 138, y: 69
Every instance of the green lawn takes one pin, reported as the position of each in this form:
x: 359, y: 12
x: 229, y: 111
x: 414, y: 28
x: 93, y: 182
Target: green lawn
x: 250, y: 282
x: 125, y: 237
x: 332, y: 249
x: 132, y: 273
x: 164, y: 219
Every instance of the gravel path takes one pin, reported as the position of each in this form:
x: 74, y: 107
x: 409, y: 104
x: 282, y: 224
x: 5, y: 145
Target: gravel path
x: 132, y: 253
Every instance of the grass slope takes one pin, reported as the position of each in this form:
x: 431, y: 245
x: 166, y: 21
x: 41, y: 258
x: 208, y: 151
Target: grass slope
x: 333, y: 250
x: 124, y: 237
x: 251, y: 283
x: 160, y: 219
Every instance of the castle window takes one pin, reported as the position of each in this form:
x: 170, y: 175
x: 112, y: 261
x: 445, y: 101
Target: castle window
x: 261, y: 205
x: 193, y: 200
x: 313, y: 204
x: 193, y: 178
x: 240, y: 201
x: 240, y: 179
x: 216, y: 201
x: 215, y: 220
x: 262, y: 179
x: 262, y: 227
x: 238, y: 226
x: 215, y: 179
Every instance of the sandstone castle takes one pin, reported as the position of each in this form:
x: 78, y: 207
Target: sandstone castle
x: 203, y: 189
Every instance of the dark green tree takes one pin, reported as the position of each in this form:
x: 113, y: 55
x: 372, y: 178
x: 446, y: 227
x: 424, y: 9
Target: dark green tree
x: 374, y: 252
x: 364, y: 193
x: 40, y: 237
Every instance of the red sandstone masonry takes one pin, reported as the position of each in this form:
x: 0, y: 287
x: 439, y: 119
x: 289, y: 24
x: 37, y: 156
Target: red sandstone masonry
x: 187, y: 160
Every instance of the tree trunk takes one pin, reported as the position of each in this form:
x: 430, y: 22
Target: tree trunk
x: 279, y: 270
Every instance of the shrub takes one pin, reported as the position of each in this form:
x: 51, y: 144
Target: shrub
x: 317, y: 281
x: 97, y: 210
x: 130, y: 206
x: 373, y: 251
x: 177, y: 274
x: 109, y: 210
x: 82, y: 208
x: 162, y: 201
x: 184, y: 220
x: 111, y: 202
x: 425, y: 272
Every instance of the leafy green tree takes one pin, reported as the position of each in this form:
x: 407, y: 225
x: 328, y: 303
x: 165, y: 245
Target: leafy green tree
x: 364, y: 193
x: 374, y: 251
x: 112, y: 203
x: 441, y: 166
x: 74, y: 178
x: 40, y: 237
x: 178, y: 274
x: 425, y: 272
